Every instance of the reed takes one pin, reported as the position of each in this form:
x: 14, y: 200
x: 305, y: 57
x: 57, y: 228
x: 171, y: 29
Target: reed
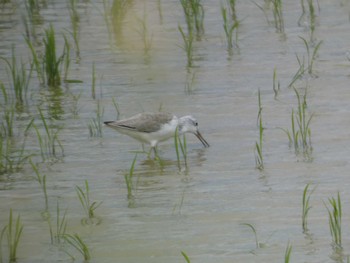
x: 306, y: 206
x: 50, y: 144
x: 12, y: 232
x: 188, y: 45
x: 95, y: 124
x: 335, y: 220
x: 185, y: 257
x: 288, y: 253
x: 42, y: 182
x: 51, y: 61
x: 259, y: 161
x: 254, y: 232
x: 77, y: 242
x: 84, y: 198
x: 229, y: 26
x: 19, y: 77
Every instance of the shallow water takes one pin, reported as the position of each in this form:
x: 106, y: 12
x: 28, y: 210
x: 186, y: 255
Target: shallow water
x: 200, y: 210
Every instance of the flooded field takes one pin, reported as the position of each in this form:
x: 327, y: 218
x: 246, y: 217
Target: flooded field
x: 268, y: 83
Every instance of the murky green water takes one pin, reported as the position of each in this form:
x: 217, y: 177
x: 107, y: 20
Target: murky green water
x: 200, y: 210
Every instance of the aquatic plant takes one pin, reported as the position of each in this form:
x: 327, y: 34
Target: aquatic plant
x: 37, y: 61
x: 66, y: 52
x: 180, y: 144
x: 311, y: 56
x: 50, y: 144
x: 311, y: 15
x: 229, y: 26
x: 93, y: 81
x: 288, y: 253
x: 194, y: 15
x: 300, y: 135
x: 61, y: 226
x: 42, y: 181
x: 190, y: 81
x: 76, y: 242
x: 232, y: 5
x: 95, y: 124
x: 276, y: 85
x: 129, y: 182
x: 259, y: 161
x: 306, y: 206
x: 51, y: 62
x: 254, y: 232
x: 186, y: 257
x: 74, y: 19
x: 116, y: 106
x: 278, y: 15
x: 188, y: 45
x: 19, y: 77
x: 84, y: 198
x: 12, y: 232
x: 335, y: 220
x: 143, y: 31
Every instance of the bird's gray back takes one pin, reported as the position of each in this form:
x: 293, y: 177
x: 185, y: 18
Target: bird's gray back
x: 145, y: 122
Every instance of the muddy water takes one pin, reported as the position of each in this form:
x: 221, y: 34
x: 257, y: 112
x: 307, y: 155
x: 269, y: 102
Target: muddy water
x: 200, y: 210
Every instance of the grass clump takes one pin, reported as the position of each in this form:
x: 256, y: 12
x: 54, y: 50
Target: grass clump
x: 19, y: 76
x: 278, y: 15
x: 51, y: 61
x: 77, y: 242
x: 300, y: 135
x: 60, y: 226
x: 88, y: 206
x: 229, y: 26
x: 12, y: 232
x: 306, y: 206
x: 335, y: 220
x: 95, y: 124
x: 42, y: 181
x: 194, y: 15
x: 50, y: 144
x: 188, y: 45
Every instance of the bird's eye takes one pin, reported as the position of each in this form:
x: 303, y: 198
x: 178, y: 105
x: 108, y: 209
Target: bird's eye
x: 196, y: 123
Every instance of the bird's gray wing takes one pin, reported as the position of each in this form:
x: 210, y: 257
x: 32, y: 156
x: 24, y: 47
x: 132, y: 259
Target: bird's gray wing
x: 144, y: 122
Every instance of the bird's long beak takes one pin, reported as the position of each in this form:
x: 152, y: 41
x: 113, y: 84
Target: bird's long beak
x: 200, y: 137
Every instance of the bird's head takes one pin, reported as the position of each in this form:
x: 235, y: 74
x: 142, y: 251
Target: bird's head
x: 188, y: 124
